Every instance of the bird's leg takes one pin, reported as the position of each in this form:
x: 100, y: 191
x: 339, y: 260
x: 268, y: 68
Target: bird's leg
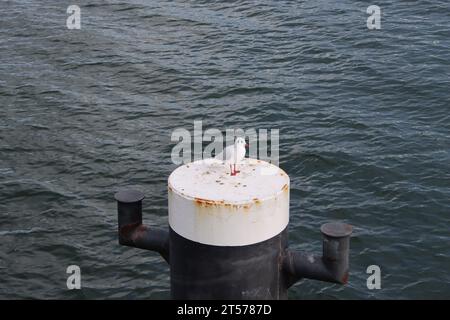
x: 235, y: 171
x: 232, y: 171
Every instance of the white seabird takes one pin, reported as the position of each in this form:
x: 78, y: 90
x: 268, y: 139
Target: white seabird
x: 233, y: 155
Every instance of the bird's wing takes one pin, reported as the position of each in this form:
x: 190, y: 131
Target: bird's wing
x: 226, y: 154
x: 229, y: 153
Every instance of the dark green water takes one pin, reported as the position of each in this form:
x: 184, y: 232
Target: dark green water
x: 363, y: 117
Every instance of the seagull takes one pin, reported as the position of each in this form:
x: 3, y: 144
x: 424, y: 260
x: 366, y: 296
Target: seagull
x: 233, y: 154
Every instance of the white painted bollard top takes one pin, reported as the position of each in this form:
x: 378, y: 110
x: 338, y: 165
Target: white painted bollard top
x: 209, y: 206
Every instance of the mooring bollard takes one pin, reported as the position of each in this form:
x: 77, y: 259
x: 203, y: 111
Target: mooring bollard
x: 227, y: 235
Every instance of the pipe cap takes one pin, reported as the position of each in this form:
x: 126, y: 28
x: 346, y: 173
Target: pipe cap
x: 336, y: 229
x: 129, y: 196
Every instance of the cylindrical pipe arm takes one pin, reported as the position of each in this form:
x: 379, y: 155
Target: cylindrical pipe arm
x: 132, y: 232
x: 332, y: 266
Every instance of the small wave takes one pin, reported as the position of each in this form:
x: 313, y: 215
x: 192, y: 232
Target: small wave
x: 20, y: 231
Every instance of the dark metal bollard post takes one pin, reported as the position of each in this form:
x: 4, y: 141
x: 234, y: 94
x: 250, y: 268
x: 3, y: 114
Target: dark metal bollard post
x: 220, y: 249
x: 336, y: 248
x: 132, y: 232
x: 332, y: 266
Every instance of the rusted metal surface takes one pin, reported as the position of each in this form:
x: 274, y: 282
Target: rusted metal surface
x: 209, y: 206
x: 210, y: 181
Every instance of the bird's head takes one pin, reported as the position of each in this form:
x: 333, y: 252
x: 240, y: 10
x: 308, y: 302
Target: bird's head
x: 241, y: 142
